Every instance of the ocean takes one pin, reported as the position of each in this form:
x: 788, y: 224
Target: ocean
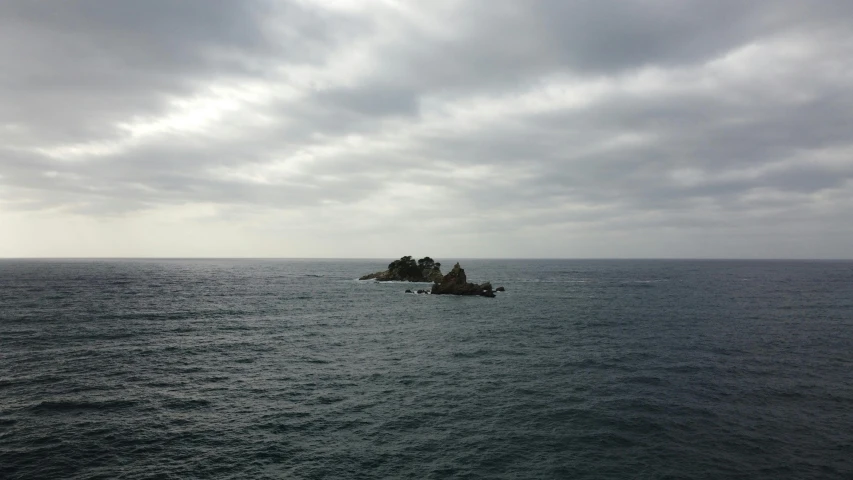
x: 582, y: 369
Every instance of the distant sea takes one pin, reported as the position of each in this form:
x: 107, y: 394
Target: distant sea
x: 583, y: 369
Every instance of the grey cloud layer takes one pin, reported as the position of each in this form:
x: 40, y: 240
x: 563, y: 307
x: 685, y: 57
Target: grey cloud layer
x: 706, y: 117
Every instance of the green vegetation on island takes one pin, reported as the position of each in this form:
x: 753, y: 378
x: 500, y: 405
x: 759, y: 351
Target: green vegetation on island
x: 406, y: 269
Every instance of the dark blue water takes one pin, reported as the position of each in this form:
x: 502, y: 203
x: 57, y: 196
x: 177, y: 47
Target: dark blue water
x: 290, y: 369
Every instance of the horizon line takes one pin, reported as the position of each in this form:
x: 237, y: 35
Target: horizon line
x: 459, y: 257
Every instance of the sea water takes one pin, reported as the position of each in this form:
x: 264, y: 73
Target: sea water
x: 292, y: 369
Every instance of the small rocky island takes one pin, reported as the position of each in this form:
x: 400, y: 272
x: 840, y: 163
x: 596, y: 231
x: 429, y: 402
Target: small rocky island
x: 407, y: 269
x: 455, y: 282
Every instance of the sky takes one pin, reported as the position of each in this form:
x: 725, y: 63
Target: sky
x: 449, y: 128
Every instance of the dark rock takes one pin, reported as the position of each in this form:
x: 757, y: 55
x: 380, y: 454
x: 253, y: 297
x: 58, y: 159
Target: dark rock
x: 500, y: 289
x: 456, y: 283
x: 406, y: 269
x: 408, y: 291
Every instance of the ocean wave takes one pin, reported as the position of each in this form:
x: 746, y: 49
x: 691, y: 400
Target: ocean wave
x: 49, y: 406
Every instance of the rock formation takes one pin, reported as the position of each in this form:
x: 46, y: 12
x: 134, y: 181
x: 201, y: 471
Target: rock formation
x: 456, y: 283
x: 407, y: 269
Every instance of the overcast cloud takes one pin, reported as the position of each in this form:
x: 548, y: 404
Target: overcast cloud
x: 380, y: 128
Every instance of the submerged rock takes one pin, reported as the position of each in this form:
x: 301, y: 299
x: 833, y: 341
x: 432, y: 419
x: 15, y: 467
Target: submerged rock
x: 500, y: 289
x: 406, y: 269
x: 456, y: 283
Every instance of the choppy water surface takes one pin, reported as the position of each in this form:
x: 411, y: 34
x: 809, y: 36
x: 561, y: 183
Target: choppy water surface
x: 290, y: 369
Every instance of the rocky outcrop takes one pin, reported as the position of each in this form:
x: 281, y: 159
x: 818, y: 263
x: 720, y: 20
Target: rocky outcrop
x: 407, y: 269
x: 456, y: 283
